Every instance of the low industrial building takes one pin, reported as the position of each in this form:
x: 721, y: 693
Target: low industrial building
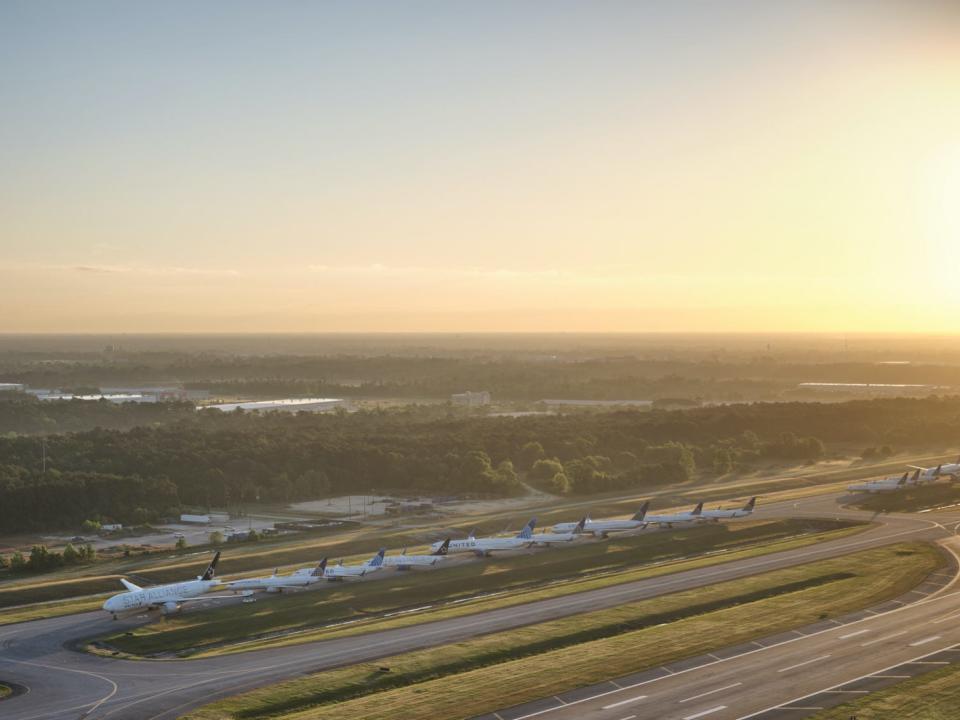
x: 285, y: 405
x: 471, y: 399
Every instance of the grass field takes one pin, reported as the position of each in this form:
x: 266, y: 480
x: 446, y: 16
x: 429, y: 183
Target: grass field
x: 932, y: 696
x: 582, y: 566
x: 501, y: 669
x: 5, y: 691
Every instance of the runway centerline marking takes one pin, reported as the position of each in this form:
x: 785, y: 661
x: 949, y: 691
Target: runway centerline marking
x: 711, y: 711
x: 885, y: 637
x: 623, y: 702
x: 711, y: 692
x: 854, y: 634
x: 925, y: 641
x: 801, y: 664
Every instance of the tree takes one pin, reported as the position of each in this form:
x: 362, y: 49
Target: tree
x: 181, y: 543
x: 216, y: 538
x: 722, y: 461
x: 91, y: 526
x: 559, y: 484
x: 530, y: 453
x: 17, y: 561
x: 70, y: 555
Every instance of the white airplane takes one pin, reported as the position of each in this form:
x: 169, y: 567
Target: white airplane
x: 931, y: 474
x: 169, y: 598
x: 405, y: 562
x: 890, y: 484
x: 687, y: 516
x: 278, y: 583
x: 719, y: 514
x: 341, y: 571
x: 548, y: 538
x: 486, y: 545
x: 601, y: 528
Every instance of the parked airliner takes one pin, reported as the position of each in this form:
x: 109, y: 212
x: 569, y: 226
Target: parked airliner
x: 669, y: 520
x: 169, y: 598
x: 341, y: 571
x: 405, y: 562
x: 889, y: 484
x: 600, y: 528
x: 278, y: 583
x: 487, y: 545
x: 719, y: 514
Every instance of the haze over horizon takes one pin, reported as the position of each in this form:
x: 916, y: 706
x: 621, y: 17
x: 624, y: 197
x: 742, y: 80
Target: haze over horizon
x: 477, y: 167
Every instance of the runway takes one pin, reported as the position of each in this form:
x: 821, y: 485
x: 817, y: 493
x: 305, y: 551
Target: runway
x: 63, y: 683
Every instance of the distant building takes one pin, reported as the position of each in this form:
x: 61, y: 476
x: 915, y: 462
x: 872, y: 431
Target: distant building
x: 871, y: 389
x: 12, y: 387
x: 286, y: 405
x: 470, y: 398
x: 138, y: 394
x: 195, y: 519
x: 111, y: 527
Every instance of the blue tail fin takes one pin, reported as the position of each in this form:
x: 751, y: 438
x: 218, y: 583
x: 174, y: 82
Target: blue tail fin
x: 527, y: 531
x: 377, y: 560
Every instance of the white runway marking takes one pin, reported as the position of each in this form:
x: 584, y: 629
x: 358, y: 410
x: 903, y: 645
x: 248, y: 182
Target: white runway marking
x: 624, y: 702
x: 925, y: 641
x: 711, y: 711
x: 805, y: 662
x: 854, y: 634
x: 885, y: 637
x: 711, y: 692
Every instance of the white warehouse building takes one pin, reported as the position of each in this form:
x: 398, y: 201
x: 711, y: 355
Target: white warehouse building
x: 285, y: 405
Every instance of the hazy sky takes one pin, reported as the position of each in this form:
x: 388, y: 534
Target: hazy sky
x: 522, y: 165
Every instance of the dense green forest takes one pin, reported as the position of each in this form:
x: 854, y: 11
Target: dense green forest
x: 210, y: 458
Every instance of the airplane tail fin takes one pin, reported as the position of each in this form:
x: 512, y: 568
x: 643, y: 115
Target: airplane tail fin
x: 442, y: 550
x: 698, y: 509
x: 579, y: 528
x: 320, y: 568
x: 642, y: 512
x: 403, y: 552
x: 751, y: 504
x: 130, y: 586
x: 527, y: 531
x: 936, y: 473
x: 377, y: 560
x: 211, y: 570
x: 903, y: 480
x: 916, y: 477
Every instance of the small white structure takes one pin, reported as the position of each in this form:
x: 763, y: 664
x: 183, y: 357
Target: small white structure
x: 111, y: 527
x: 195, y: 519
x: 471, y: 399
x: 11, y: 387
x: 285, y: 405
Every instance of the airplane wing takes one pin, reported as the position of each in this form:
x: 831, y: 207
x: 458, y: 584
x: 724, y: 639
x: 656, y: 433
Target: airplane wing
x: 916, y: 467
x: 207, y: 597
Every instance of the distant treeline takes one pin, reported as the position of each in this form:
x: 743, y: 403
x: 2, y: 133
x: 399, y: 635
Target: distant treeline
x: 215, y: 459
x: 511, y: 377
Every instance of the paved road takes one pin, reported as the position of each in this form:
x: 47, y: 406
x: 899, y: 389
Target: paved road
x: 790, y: 677
x: 63, y: 683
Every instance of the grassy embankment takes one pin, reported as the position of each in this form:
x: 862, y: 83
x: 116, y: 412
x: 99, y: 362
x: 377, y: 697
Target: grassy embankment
x: 932, y: 696
x: 5, y: 691
x: 501, y: 669
x: 544, y: 573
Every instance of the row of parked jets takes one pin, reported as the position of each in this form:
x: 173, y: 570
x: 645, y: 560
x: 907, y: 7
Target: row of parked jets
x: 920, y: 476
x: 170, y: 598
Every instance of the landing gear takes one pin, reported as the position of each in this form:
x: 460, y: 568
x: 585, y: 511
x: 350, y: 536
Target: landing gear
x: 115, y: 617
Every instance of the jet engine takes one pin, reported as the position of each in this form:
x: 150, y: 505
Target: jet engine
x: 170, y: 607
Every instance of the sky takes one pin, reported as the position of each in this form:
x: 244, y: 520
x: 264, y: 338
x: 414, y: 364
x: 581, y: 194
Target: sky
x: 485, y: 166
